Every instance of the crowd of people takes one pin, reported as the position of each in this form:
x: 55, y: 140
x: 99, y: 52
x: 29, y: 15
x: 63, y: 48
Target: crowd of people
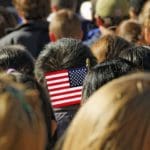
x: 74, y: 75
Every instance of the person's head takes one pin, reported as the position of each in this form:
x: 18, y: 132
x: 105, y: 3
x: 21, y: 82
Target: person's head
x: 139, y: 56
x: 135, y: 8
x: 116, y: 117
x: 7, y: 20
x: 146, y: 30
x: 145, y: 12
x: 63, y: 54
x: 32, y: 9
x: 65, y: 23
x: 16, y: 57
x: 108, y: 47
x: 21, y: 119
x: 63, y: 4
x: 104, y: 73
x: 111, y: 12
x: 130, y: 30
x: 32, y: 84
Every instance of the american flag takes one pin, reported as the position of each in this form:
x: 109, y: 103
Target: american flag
x: 65, y: 86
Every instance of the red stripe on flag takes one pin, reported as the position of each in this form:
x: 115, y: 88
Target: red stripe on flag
x: 56, y: 72
x: 56, y: 78
x: 66, y: 104
x: 66, y: 98
x: 55, y: 84
x: 52, y: 90
x: 57, y: 94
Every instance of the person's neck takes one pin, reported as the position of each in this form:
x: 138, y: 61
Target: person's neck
x: 24, y: 21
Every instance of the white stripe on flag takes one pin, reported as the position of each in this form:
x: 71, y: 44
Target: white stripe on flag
x: 56, y: 75
x: 66, y: 101
x: 66, y: 95
x: 57, y: 81
x: 58, y: 86
x: 65, y: 90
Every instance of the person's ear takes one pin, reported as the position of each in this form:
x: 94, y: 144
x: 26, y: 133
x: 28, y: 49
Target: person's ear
x: 52, y: 37
x: 81, y: 35
x: 99, y: 21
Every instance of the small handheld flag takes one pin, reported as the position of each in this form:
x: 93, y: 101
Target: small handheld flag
x: 65, y: 86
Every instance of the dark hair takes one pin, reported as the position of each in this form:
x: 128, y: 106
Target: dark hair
x: 140, y: 56
x: 33, y: 9
x: 103, y: 73
x: 16, y: 57
x: 63, y: 54
x: 7, y: 20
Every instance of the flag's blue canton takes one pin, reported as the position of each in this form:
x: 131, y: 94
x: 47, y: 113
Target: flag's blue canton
x: 76, y: 76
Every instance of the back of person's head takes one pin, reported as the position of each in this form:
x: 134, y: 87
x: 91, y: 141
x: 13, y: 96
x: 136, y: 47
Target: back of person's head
x: 32, y: 9
x: 32, y: 84
x: 7, y: 20
x: 21, y: 119
x: 63, y: 4
x: 16, y: 57
x: 136, y: 8
x: 145, y: 12
x: 116, y: 117
x: 108, y: 47
x: 104, y: 73
x: 112, y: 11
x: 63, y: 54
x: 130, y: 30
x: 65, y: 23
x: 146, y: 29
x: 139, y: 56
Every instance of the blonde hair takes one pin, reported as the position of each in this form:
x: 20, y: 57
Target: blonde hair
x: 108, y: 47
x: 65, y: 23
x: 21, y: 120
x: 130, y: 30
x: 146, y: 22
x: 146, y: 28
x: 116, y: 117
x: 145, y: 12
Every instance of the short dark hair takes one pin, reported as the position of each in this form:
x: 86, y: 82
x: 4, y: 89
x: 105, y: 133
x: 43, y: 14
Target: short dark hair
x: 33, y: 9
x: 103, y: 73
x: 63, y: 54
x: 7, y: 20
x: 16, y: 57
x: 139, y: 56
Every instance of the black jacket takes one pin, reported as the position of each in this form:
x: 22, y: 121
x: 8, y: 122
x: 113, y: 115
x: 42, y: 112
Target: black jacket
x: 33, y: 35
